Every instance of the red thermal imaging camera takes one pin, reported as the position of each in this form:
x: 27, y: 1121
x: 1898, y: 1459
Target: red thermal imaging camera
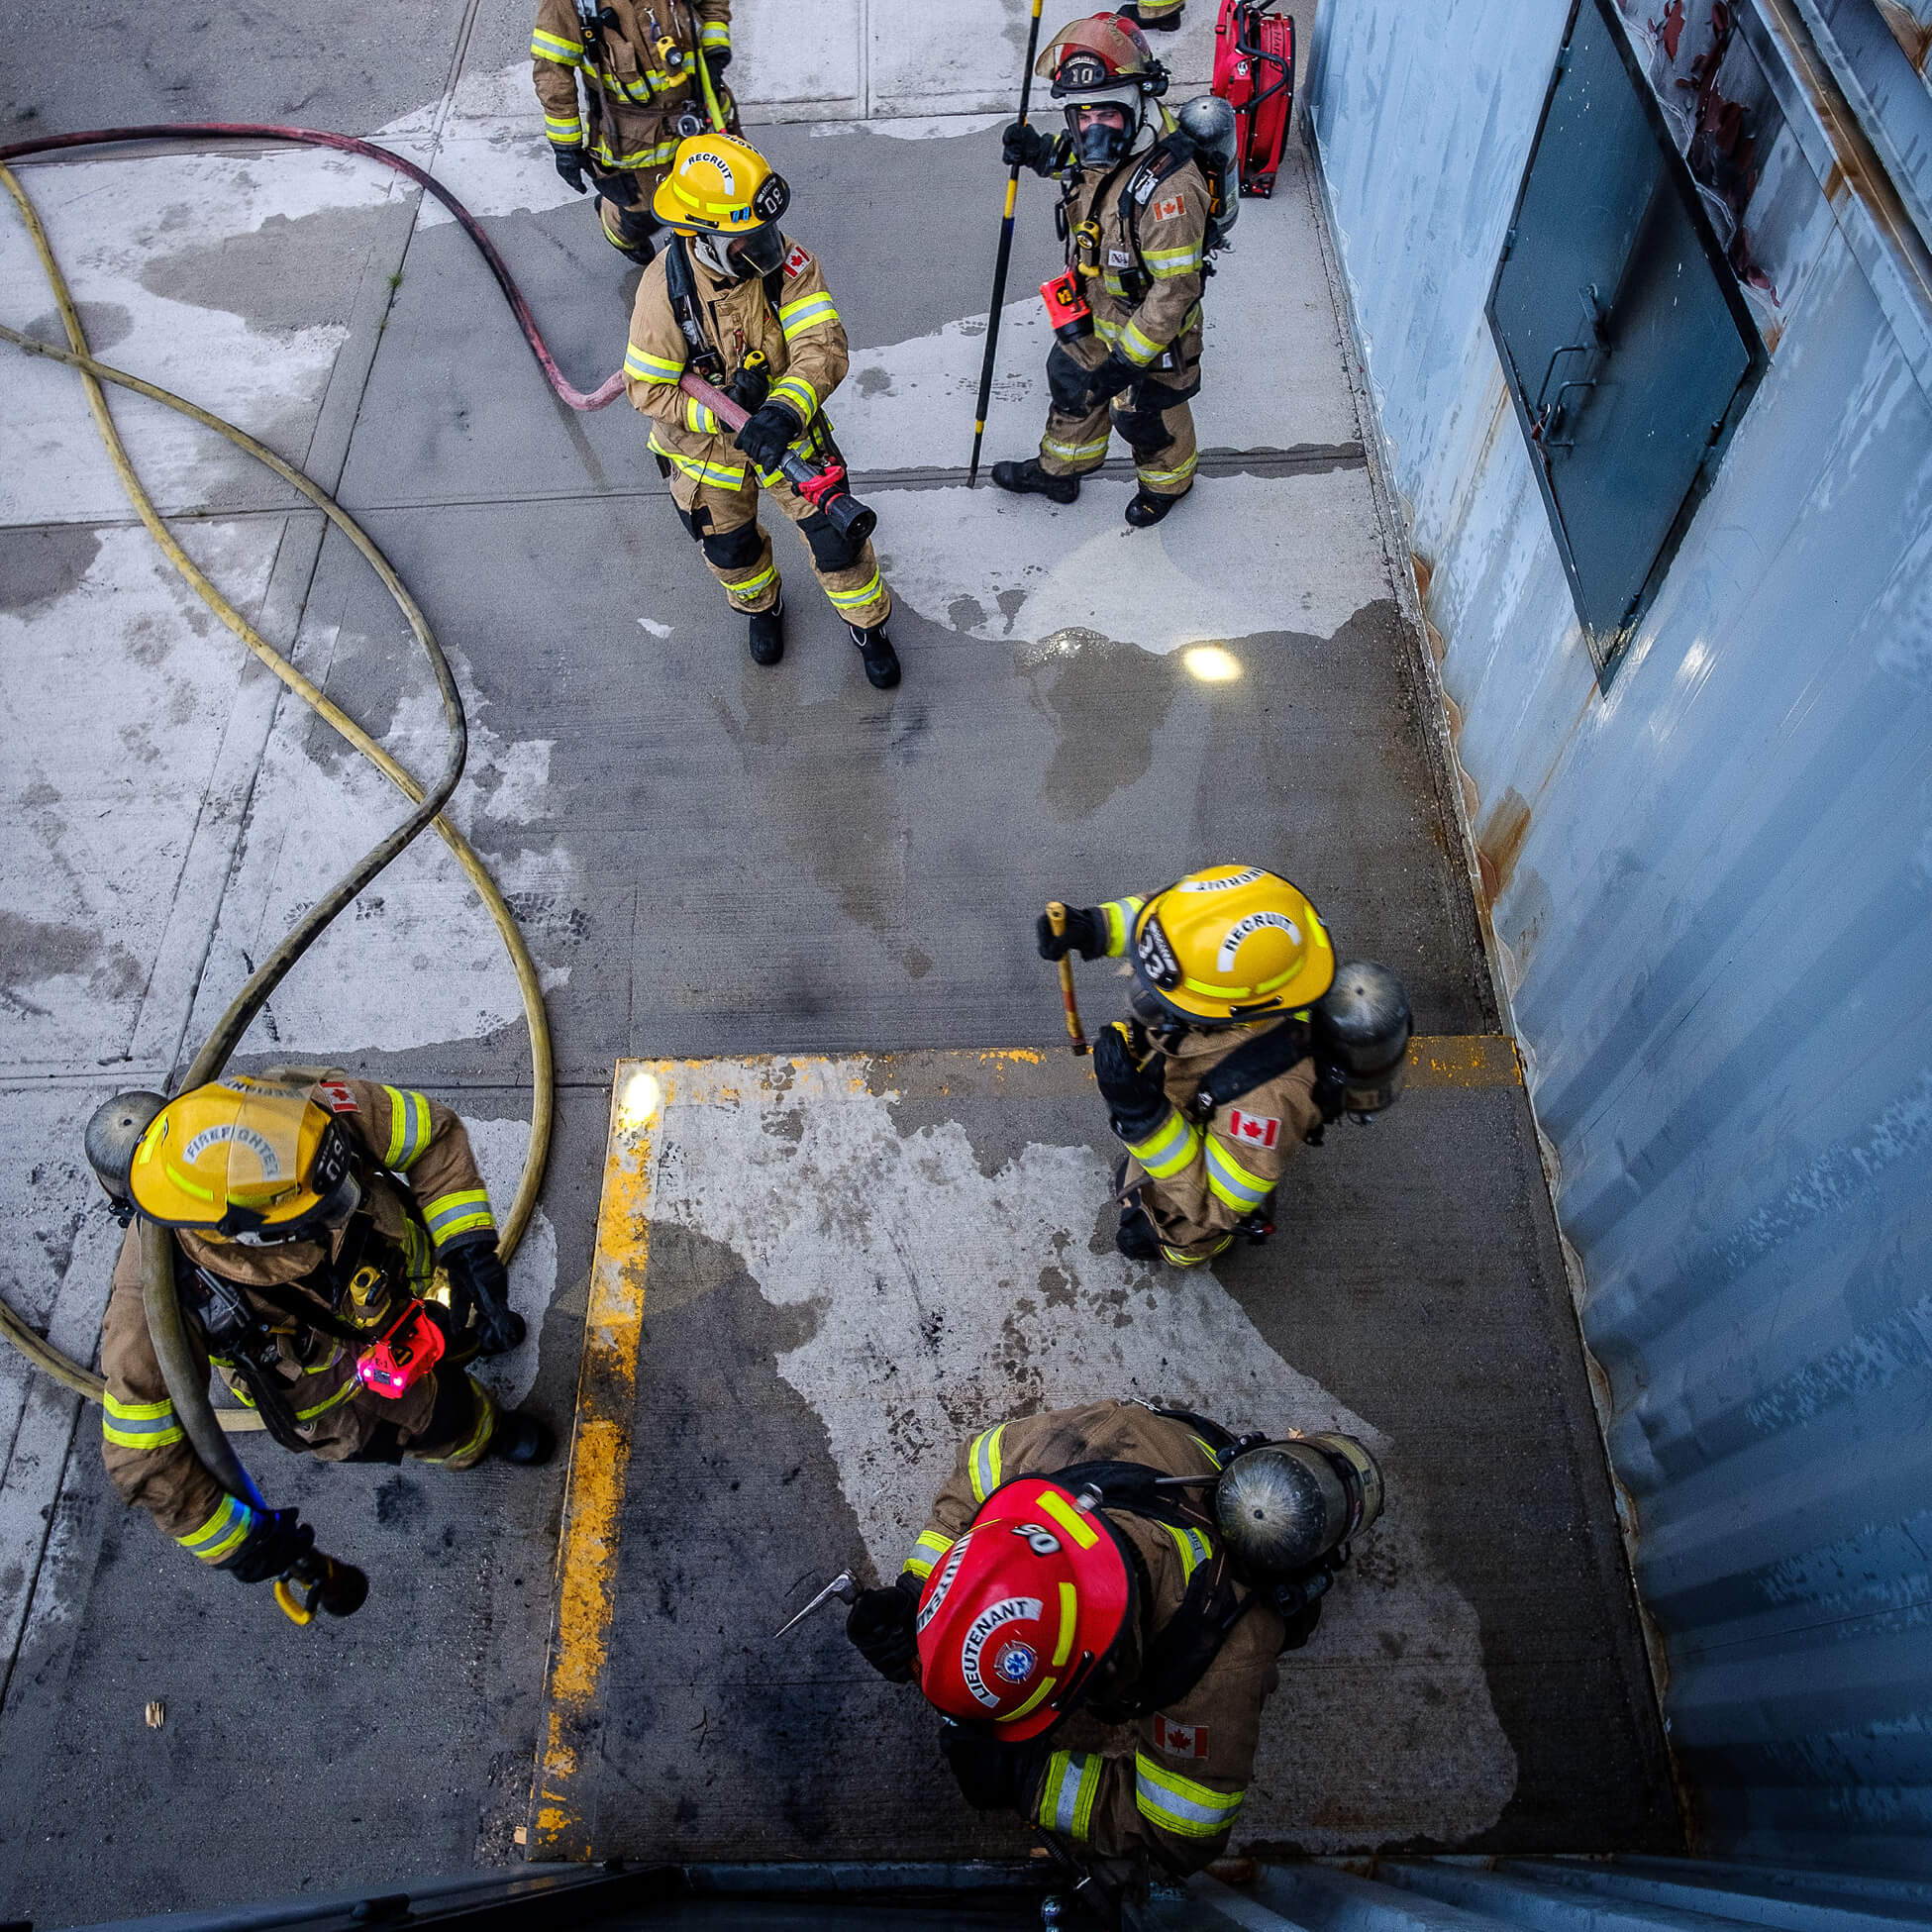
x: 402, y: 1354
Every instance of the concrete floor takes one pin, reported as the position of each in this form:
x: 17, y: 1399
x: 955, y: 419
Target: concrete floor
x: 709, y: 860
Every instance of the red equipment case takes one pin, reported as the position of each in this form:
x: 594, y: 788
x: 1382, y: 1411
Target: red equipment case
x: 1254, y: 72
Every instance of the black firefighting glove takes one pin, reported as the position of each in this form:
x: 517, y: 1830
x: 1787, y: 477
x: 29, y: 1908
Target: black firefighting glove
x: 569, y: 165
x: 768, y: 435
x: 879, y: 1625
x: 1086, y: 928
x: 478, y: 1275
x: 1024, y: 145
x: 1110, y: 378
x: 748, y: 389
x: 1135, y: 1095
x: 993, y: 1775
x: 275, y: 1542
x: 717, y: 59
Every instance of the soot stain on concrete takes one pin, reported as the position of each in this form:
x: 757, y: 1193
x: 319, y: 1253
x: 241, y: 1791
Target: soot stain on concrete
x: 34, y: 950
x: 1108, y: 699
x: 286, y: 274
x: 715, y: 1738
x: 38, y: 567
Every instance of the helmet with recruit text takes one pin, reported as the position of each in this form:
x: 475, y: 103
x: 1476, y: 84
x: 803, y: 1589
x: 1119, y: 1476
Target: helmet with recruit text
x: 726, y: 199
x: 1226, y: 945
x: 1103, y: 76
x: 247, y: 1159
x: 1021, y: 1611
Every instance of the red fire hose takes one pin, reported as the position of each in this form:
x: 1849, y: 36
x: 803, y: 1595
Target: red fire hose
x: 599, y: 398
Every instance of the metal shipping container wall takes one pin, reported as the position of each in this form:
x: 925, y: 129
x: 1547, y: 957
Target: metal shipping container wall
x: 1712, y: 890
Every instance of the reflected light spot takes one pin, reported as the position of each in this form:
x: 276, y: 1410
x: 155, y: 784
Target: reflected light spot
x: 640, y: 1101
x: 1210, y: 663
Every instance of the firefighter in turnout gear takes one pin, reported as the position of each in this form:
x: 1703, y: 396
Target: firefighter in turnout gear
x: 652, y: 72
x: 738, y: 301
x: 1053, y: 1577
x: 1134, y: 213
x: 312, y: 1223
x: 1215, y: 1082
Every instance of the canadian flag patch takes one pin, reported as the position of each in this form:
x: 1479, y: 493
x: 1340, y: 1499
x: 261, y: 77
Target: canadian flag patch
x: 336, y: 1097
x: 796, y: 263
x: 1168, y: 210
x: 1257, y: 1130
x: 1181, y: 1740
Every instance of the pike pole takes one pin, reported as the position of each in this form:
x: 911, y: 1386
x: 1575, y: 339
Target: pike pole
x: 999, y: 269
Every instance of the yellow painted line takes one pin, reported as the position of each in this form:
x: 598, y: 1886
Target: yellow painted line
x: 562, y: 1805
x: 1464, y: 1059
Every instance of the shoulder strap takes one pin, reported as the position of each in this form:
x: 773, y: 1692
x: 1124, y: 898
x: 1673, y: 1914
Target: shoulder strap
x: 682, y: 285
x: 1168, y: 154
x: 1252, y: 1064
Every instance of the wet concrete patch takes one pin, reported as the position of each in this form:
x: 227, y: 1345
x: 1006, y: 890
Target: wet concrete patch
x: 40, y: 564
x: 289, y: 273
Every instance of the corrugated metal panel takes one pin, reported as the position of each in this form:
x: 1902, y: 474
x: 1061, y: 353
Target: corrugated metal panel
x: 1715, y: 900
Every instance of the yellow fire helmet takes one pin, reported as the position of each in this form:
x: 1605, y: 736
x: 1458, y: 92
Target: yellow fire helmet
x: 1230, y: 944
x: 245, y: 1159
x: 719, y: 182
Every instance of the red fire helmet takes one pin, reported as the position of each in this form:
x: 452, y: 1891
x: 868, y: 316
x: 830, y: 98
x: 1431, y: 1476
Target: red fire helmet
x: 1022, y: 1607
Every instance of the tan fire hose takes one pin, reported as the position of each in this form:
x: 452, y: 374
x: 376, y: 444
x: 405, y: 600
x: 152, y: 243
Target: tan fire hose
x: 205, y: 1427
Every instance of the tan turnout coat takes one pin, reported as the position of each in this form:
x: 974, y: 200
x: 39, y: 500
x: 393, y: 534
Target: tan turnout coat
x: 1175, y: 1790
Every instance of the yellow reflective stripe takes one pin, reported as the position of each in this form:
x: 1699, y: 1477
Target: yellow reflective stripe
x: 750, y: 586
x: 646, y: 367
x: 563, y: 133
x: 409, y: 1128
x: 699, y: 418
x: 478, y: 1436
x: 1178, y: 1804
x: 1230, y: 1182
x: 1175, y: 1258
x: 1169, y: 1148
x: 1136, y: 346
x: 726, y: 476
x: 926, y: 1551
x: 795, y: 390
x: 139, y: 1425
x: 1031, y: 1705
x: 458, y: 1213
x: 1195, y: 1548
x: 1068, y: 1518
x: 223, y: 1533
x: 982, y: 1462
x: 1074, y: 452
x: 853, y: 599
x: 1176, y: 476
x: 328, y: 1402
x: 716, y: 34
x: 188, y: 1185
x: 552, y: 46
x: 1120, y: 916
x: 641, y: 158
x: 1166, y: 265
x: 1067, y: 1793
x: 1069, y: 1617
x: 794, y: 318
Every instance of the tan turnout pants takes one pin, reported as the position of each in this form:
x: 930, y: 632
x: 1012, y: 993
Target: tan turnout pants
x: 738, y: 550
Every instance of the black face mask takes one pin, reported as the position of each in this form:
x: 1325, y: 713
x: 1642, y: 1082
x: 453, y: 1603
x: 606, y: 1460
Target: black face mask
x: 1100, y: 144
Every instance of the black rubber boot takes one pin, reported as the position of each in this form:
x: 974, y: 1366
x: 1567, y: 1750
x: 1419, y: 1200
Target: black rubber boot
x: 1134, y: 1237
x: 1029, y: 479
x: 881, y: 660
x: 1166, y: 23
x: 1146, y: 510
x: 520, y: 1438
x: 769, y: 634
